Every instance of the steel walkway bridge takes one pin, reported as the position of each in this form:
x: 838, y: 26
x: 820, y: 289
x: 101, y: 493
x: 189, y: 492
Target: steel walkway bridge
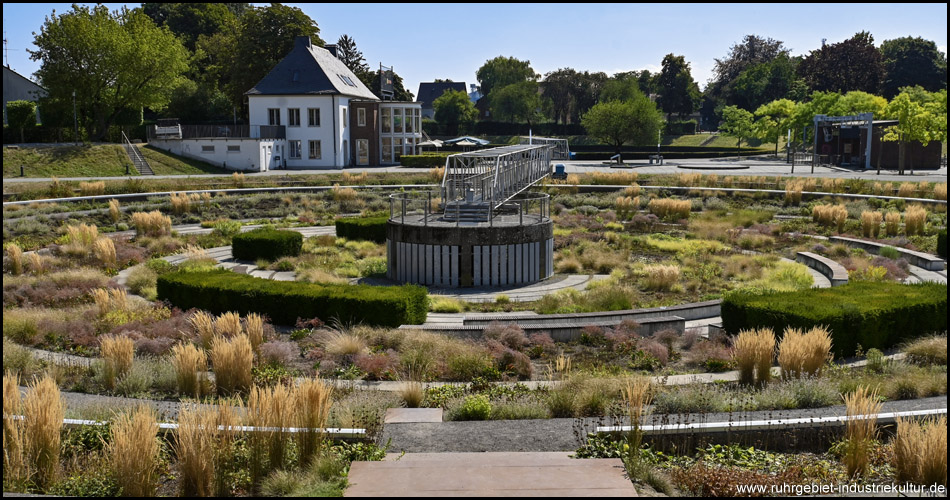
x: 477, y: 183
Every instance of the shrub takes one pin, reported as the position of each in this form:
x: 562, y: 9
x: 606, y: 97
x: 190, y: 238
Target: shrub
x: 232, y: 360
x: 920, y: 451
x: 278, y: 352
x: 134, y: 452
x: 930, y: 350
x: 511, y: 335
x: 942, y: 243
x: 152, y: 224
x: 362, y: 228
x: 871, y: 224
x: 879, y: 315
x: 265, y: 243
x: 190, y: 365
x: 227, y: 228
x: 670, y: 209
x: 429, y: 160
x: 117, y: 356
x: 284, y: 302
x: 753, y: 351
x: 475, y: 407
x: 141, y: 281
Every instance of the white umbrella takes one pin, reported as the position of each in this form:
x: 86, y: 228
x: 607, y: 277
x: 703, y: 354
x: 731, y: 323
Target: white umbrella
x: 465, y: 142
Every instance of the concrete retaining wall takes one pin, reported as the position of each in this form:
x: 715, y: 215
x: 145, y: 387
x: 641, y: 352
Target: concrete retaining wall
x: 689, y: 312
x: 563, y: 331
x: 836, y: 273
x: 919, y: 259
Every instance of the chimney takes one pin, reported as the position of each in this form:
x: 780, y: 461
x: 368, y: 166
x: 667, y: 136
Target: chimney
x: 332, y: 49
x: 302, y: 41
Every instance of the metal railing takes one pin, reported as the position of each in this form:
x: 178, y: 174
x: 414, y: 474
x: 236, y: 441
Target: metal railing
x: 219, y: 132
x: 427, y: 207
x: 494, y: 176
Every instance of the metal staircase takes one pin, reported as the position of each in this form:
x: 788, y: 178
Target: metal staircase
x: 138, y: 160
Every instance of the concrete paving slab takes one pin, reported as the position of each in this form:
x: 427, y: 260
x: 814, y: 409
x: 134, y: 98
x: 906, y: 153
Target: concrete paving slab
x: 412, y: 415
x: 489, y: 474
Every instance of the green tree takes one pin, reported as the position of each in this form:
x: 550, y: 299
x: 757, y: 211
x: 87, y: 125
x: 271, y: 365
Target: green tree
x: 352, y: 57
x: 502, y: 71
x: 764, y: 82
x: 518, y: 102
x: 616, y: 122
x: 113, y: 61
x: 774, y: 119
x: 266, y: 35
x: 856, y: 102
x: 621, y: 87
x: 819, y: 103
x: 21, y: 115
x: 560, y: 87
x: 912, y: 61
x: 188, y: 21
x: 854, y: 64
x: 399, y: 91
x: 679, y: 93
x: 752, y: 50
x: 737, y: 123
x: 586, y: 92
x: 921, y: 116
x: 454, y: 109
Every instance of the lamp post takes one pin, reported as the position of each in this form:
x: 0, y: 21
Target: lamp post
x: 75, y: 120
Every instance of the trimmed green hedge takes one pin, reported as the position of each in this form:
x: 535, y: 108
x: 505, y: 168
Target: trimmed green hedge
x: 425, y: 160
x: 879, y: 315
x: 942, y: 243
x: 362, y: 228
x: 266, y: 243
x: 220, y: 291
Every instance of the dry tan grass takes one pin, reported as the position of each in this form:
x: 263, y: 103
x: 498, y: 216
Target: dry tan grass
x: 632, y: 190
x: 637, y: 395
x: 232, y: 360
x: 343, y: 194
x: 110, y: 299
x: 203, y: 323
x: 915, y: 220
x: 181, y: 203
x: 613, y: 178
x: 436, y: 175
x: 16, y: 467
x: 117, y: 355
x: 238, y: 179
x: 104, y: 250
x: 194, y: 447
x: 133, y: 452
x: 832, y: 184
x: 830, y: 215
x: 666, y: 208
x: 907, y: 190
x: 871, y: 223
x: 151, y: 223
x: 920, y: 451
x: 625, y: 207
x: 80, y: 239
x: 228, y: 324
x: 36, y: 263
x: 860, y: 431
x: 412, y: 394
x: 359, y: 178
x: 92, y: 188
x: 661, y: 277
x: 190, y: 364
x: 688, y: 180
x: 254, y: 326
x: 15, y: 254
x: 803, y: 354
x: 793, y: 192
x: 114, y: 213
x: 892, y: 223
x: 940, y: 191
x: 312, y: 401
x: 271, y: 407
x: 43, y: 412
x: 340, y: 343
x: 753, y: 351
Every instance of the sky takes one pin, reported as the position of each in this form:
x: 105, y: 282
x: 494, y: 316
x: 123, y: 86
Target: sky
x: 423, y: 42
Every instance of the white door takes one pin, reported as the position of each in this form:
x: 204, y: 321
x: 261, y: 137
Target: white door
x: 265, y: 165
x: 362, y: 151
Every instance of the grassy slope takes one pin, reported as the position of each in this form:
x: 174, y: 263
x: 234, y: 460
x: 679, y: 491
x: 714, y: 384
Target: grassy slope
x: 98, y: 160
x: 66, y: 161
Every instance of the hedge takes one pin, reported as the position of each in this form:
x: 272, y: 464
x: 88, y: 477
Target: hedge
x: 266, y: 243
x: 220, y: 291
x: 425, y: 160
x: 942, y: 243
x: 667, y: 155
x: 681, y: 127
x: 879, y: 315
x: 362, y: 228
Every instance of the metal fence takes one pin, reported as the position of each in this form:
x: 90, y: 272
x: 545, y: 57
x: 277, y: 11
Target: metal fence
x: 224, y: 131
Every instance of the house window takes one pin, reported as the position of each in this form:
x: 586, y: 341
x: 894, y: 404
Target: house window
x: 207, y: 149
x: 315, y: 153
x: 313, y: 115
x: 408, y: 120
x: 344, y: 117
x: 362, y: 151
x: 387, y: 149
x: 397, y: 120
x: 361, y: 117
x: 410, y: 149
x: 387, y: 120
x: 294, y: 149
x: 293, y: 117
x: 234, y: 148
x: 273, y: 116
x: 418, y: 119
x: 397, y: 148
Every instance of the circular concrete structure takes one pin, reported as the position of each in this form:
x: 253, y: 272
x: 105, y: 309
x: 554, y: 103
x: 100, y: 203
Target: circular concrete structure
x: 515, y: 246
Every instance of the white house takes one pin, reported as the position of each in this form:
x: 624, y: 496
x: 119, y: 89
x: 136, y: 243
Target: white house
x: 309, y: 112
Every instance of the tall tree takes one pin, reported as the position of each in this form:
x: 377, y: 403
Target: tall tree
x: 266, y: 35
x: 518, y: 102
x: 679, y: 93
x: 351, y: 56
x: 399, y: 91
x: 113, y: 61
x: 560, y: 87
x: 621, y: 87
x: 774, y: 119
x: 921, y: 115
x: 752, y: 50
x: 819, y: 103
x: 586, y: 93
x: 854, y: 64
x: 737, y: 123
x: 21, y: 115
x: 616, y: 122
x: 764, y: 82
x: 856, y: 102
x: 502, y: 71
x: 190, y: 20
x: 912, y: 61
x: 454, y: 109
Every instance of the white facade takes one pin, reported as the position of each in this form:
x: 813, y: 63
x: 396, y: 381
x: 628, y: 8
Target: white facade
x: 253, y: 155
x: 317, y: 127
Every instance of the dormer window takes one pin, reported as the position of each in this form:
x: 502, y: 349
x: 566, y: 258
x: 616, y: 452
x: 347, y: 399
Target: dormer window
x: 296, y: 76
x: 347, y: 80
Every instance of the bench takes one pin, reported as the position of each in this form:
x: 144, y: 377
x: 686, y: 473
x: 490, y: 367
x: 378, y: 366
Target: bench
x: 656, y: 159
x: 836, y: 273
x: 919, y: 259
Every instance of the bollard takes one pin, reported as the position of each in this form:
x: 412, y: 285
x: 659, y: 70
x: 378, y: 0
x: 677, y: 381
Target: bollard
x: 21, y: 171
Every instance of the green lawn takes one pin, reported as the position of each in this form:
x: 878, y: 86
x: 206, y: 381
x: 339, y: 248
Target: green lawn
x: 165, y: 163
x: 66, y: 161
x: 99, y: 160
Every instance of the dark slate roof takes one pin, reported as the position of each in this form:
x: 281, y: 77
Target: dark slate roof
x: 430, y: 91
x: 312, y: 70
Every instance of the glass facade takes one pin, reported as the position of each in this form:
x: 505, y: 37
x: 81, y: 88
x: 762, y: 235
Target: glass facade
x: 400, y: 131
